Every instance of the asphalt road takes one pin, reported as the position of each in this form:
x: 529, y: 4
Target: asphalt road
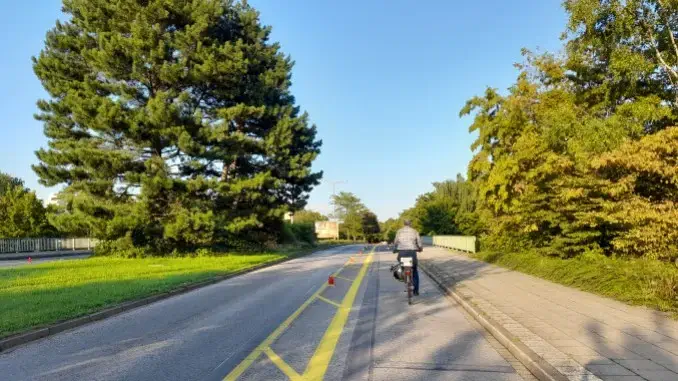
x: 22, y: 262
x: 278, y: 323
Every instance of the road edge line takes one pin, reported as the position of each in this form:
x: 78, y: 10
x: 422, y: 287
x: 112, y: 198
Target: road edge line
x: 531, y: 360
x: 53, y: 329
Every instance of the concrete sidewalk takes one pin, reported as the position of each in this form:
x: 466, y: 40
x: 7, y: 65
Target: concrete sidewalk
x: 580, y: 335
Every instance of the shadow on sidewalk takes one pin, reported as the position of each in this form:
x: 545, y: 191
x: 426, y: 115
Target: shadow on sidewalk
x: 400, y: 337
x: 625, y: 352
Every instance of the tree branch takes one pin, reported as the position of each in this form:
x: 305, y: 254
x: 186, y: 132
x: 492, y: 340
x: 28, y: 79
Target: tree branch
x: 661, y: 59
x: 668, y: 27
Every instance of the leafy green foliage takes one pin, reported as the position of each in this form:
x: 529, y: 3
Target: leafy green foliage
x: 370, y: 227
x: 641, y: 195
x: 389, y: 228
x: 297, y: 232
x: 308, y: 216
x: 580, y: 156
x: 346, y: 203
x: 636, y: 281
x: 171, y: 123
x: 8, y: 182
x: 448, y: 209
x: 21, y: 212
x: 352, y: 226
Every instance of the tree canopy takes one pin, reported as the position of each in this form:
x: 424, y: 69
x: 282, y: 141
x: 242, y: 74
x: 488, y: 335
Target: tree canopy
x: 346, y: 203
x: 171, y: 122
x: 580, y: 154
x: 448, y: 209
x: 308, y: 216
x: 21, y: 212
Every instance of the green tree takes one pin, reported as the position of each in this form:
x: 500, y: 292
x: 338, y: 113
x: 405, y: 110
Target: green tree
x: 308, y: 216
x: 570, y: 158
x: 370, y: 226
x: 352, y: 226
x: 623, y: 60
x: 390, y: 227
x: 171, y: 122
x: 8, y: 182
x: 448, y: 209
x: 640, y: 196
x: 346, y: 203
x: 22, y: 214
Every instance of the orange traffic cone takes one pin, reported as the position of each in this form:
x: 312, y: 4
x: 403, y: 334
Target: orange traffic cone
x: 330, y: 280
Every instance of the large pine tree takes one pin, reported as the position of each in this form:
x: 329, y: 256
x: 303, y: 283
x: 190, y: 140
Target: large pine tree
x: 171, y: 122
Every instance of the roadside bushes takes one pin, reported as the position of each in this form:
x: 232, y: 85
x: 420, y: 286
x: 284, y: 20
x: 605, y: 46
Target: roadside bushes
x: 303, y: 233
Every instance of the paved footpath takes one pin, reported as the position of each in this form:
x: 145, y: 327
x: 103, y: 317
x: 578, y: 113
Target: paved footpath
x: 583, y: 336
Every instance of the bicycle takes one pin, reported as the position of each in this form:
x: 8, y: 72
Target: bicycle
x: 406, y: 263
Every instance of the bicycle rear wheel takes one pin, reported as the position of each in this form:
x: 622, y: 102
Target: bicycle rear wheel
x: 409, y: 287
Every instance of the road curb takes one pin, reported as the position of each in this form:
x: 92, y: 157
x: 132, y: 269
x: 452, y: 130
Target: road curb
x: 43, y: 254
x: 39, y: 333
x: 539, y: 367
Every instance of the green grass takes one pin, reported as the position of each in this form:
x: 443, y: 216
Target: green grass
x: 38, y: 295
x: 643, y: 282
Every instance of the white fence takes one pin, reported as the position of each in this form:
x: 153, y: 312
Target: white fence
x: 22, y: 245
x: 456, y: 242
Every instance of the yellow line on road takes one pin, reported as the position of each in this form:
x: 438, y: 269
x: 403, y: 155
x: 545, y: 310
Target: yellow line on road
x: 242, y: 367
x: 284, y: 367
x: 320, y: 361
x: 332, y: 302
x: 252, y: 357
x: 344, y: 278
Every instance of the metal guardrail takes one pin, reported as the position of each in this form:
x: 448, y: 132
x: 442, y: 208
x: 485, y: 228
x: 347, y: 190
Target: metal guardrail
x: 456, y: 242
x: 23, y: 245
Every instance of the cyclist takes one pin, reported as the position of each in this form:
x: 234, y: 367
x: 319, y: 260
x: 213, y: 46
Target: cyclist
x: 407, y: 243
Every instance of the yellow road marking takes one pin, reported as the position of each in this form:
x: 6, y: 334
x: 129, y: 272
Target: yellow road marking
x: 280, y: 363
x: 242, y: 367
x: 344, y: 278
x: 330, y: 301
x: 320, y: 361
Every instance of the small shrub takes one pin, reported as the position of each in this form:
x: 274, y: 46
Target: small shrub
x: 287, y: 236
x: 122, y: 248
x: 304, y: 232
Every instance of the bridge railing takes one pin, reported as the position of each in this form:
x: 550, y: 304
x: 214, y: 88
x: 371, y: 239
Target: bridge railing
x: 22, y: 245
x: 456, y: 242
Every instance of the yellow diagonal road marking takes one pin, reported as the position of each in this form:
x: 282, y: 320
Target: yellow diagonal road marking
x: 242, y: 367
x: 320, y: 361
x: 330, y: 301
x: 344, y: 278
x: 280, y: 363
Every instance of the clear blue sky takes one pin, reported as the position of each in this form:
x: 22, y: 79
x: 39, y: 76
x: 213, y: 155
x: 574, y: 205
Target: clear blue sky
x: 383, y: 80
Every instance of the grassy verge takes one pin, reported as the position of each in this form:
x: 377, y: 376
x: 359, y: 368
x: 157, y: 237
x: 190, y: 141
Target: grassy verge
x: 643, y: 282
x: 38, y: 295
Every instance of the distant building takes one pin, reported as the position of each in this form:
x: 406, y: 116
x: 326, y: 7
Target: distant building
x: 327, y: 229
